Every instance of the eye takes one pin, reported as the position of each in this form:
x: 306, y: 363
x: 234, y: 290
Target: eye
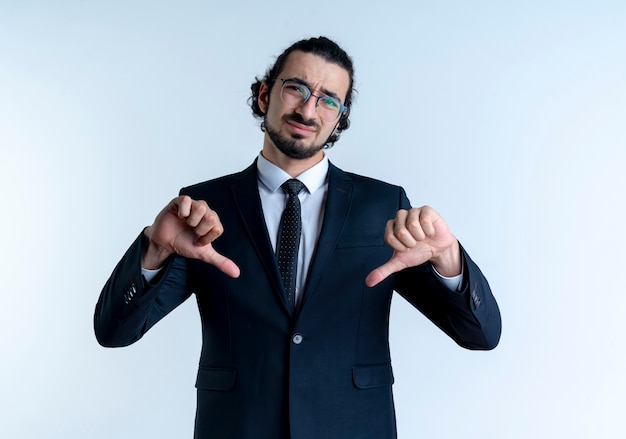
x: 329, y: 102
x: 295, y: 88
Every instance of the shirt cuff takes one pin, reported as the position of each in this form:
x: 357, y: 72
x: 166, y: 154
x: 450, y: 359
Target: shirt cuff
x: 454, y: 283
x: 148, y: 275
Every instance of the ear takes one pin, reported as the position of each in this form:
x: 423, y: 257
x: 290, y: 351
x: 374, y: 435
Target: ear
x: 263, y: 99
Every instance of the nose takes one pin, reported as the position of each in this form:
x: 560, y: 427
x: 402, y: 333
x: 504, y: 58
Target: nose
x: 308, y: 109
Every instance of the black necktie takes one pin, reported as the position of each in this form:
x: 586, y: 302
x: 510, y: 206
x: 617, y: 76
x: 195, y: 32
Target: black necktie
x: 289, y: 238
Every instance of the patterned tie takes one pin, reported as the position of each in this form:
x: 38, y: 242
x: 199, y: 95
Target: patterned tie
x: 289, y: 238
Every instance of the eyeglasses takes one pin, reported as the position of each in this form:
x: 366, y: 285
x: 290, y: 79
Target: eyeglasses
x: 294, y: 94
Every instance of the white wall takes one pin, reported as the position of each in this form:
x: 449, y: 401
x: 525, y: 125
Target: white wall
x: 507, y: 118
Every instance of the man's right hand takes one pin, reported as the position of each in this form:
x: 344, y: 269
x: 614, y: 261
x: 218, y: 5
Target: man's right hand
x: 186, y: 227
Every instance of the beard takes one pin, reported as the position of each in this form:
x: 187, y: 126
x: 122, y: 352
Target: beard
x: 292, y: 146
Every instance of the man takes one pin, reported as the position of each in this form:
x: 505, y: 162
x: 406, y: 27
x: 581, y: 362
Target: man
x: 295, y: 345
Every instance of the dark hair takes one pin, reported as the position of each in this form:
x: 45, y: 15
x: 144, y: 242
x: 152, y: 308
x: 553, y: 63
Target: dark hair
x: 322, y: 47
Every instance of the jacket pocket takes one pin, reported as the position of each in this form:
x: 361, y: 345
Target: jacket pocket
x: 214, y: 378
x: 372, y: 376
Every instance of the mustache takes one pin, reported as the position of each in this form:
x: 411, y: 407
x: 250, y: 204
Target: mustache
x: 295, y: 117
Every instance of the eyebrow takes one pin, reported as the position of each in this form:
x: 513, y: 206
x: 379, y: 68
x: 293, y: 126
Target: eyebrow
x: 323, y: 90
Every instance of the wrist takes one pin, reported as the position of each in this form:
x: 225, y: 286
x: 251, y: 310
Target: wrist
x: 153, y: 256
x: 448, y: 262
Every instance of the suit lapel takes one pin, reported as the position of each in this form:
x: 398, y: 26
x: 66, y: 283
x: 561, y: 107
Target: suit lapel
x: 246, y: 195
x: 339, y: 198
x: 338, y: 201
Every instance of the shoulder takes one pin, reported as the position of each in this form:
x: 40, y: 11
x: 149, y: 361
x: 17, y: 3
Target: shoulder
x: 219, y: 184
x: 367, y: 190
x: 362, y: 181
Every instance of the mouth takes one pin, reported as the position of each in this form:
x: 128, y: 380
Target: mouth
x: 301, y: 127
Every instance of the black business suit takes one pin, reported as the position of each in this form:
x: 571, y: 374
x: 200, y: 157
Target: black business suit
x: 323, y: 371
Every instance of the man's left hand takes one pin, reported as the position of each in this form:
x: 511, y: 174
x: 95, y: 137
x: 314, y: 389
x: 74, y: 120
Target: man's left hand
x: 417, y: 236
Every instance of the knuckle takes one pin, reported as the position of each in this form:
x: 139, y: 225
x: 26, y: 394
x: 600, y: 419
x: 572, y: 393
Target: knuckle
x: 403, y: 233
x: 218, y: 229
x: 201, y: 207
x: 413, y: 225
x: 402, y: 213
x: 391, y: 240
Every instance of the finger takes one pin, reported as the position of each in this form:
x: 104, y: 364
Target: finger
x: 208, y: 236
x: 383, y: 272
x: 414, y: 225
x: 182, y: 206
x: 209, y: 228
x: 399, y: 237
x: 427, y: 218
x: 401, y: 231
x: 391, y: 238
x: 198, y: 211
x: 221, y: 262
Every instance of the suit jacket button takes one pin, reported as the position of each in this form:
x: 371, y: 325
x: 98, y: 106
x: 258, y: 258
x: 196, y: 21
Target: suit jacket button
x: 297, y: 339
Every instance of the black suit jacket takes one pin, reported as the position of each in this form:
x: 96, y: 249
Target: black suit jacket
x: 323, y: 371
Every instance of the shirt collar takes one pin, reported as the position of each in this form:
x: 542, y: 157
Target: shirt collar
x: 273, y: 177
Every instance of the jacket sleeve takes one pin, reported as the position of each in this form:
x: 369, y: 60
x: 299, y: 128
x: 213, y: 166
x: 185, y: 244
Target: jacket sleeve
x: 128, y: 306
x: 471, y: 317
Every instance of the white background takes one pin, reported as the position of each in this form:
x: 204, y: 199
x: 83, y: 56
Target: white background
x: 507, y: 117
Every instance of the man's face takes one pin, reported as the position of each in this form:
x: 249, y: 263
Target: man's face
x: 298, y: 131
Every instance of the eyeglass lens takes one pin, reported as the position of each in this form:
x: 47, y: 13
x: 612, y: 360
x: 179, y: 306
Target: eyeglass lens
x: 295, y: 94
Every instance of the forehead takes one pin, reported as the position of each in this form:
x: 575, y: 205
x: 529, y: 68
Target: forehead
x: 317, y: 73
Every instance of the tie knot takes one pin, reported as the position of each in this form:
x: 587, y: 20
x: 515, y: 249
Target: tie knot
x: 292, y: 186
